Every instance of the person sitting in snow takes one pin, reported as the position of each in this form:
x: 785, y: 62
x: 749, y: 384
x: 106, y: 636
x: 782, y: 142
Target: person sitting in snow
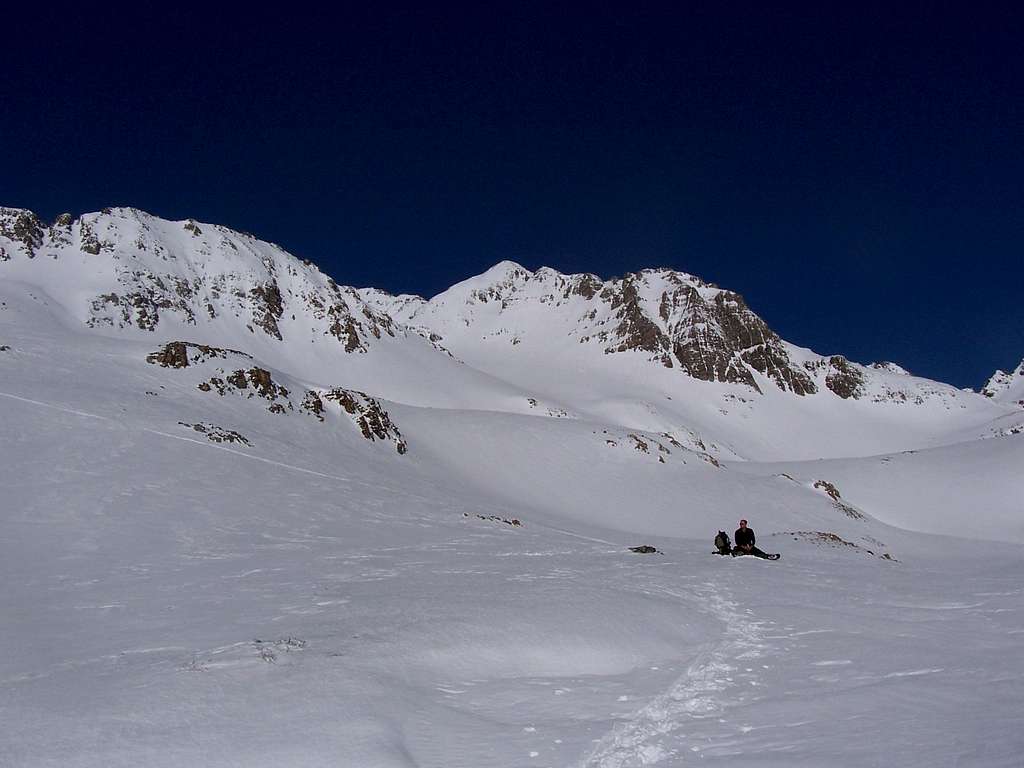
x: 744, y: 542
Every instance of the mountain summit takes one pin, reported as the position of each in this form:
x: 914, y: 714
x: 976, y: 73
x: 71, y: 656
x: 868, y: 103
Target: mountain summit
x: 659, y: 349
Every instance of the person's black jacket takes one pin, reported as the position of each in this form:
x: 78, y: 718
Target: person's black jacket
x: 744, y: 536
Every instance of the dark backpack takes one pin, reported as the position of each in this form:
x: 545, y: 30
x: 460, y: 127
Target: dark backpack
x: 723, y: 543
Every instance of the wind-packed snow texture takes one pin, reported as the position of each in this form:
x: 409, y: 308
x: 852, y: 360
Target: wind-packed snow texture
x: 252, y: 517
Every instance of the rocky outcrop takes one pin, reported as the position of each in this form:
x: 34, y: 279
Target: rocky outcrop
x: 23, y: 228
x: 176, y: 354
x: 89, y: 242
x: 998, y: 382
x: 744, y: 333
x: 142, y: 307
x: 313, y: 405
x: 262, y: 382
x: 843, y: 379
x: 837, y: 501
x: 827, y: 487
x: 710, y: 333
x: 267, y: 307
x: 352, y: 329
x: 217, y: 434
x: 1006, y: 387
x: 189, y: 274
x: 513, y: 521
x: 678, y: 321
x: 587, y: 286
x: 635, y: 330
x: 253, y: 382
x: 373, y: 421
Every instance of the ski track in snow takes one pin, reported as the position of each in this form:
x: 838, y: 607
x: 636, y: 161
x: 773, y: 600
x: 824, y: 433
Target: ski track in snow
x: 348, y: 481
x: 63, y: 408
x: 657, y: 731
x: 76, y: 412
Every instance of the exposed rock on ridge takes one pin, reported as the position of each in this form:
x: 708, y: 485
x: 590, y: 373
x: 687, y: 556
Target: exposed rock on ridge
x: 674, y: 318
x: 124, y: 269
x: 249, y: 381
x: 22, y: 228
x: 156, y: 273
x: 1006, y: 387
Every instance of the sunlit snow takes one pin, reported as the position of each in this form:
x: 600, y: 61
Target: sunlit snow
x: 311, y: 597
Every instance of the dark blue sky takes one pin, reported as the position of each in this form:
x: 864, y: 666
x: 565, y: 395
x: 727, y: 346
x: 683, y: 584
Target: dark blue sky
x: 856, y: 174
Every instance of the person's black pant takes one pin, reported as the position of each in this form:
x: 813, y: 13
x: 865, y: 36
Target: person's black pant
x: 752, y: 550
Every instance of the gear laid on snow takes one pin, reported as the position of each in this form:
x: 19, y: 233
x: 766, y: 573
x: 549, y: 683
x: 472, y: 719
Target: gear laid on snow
x: 646, y: 549
x: 722, y: 544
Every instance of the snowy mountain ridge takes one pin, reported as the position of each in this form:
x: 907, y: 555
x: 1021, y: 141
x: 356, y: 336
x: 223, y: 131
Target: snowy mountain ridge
x: 126, y: 269
x: 682, y: 322
x: 657, y: 350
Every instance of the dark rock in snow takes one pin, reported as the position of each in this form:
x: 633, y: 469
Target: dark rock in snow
x: 843, y: 379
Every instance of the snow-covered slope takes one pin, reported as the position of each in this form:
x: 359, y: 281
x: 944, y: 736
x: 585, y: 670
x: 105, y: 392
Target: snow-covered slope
x: 659, y: 350
x: 338, y: 544
x: 572, y: 469
x: 1007, y: 387
x: 664, y: 351
x: 126, y: 274
x: 972, y: 489
x: 313, y: 598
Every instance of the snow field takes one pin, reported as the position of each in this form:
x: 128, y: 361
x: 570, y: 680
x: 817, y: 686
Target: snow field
x: 182, y: 602
x: 311, y: 598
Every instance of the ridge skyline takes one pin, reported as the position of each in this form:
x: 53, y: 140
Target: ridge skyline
x: 339, y: 268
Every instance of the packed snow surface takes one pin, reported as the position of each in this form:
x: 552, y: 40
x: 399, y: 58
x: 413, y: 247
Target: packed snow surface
x: 243, y: 552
